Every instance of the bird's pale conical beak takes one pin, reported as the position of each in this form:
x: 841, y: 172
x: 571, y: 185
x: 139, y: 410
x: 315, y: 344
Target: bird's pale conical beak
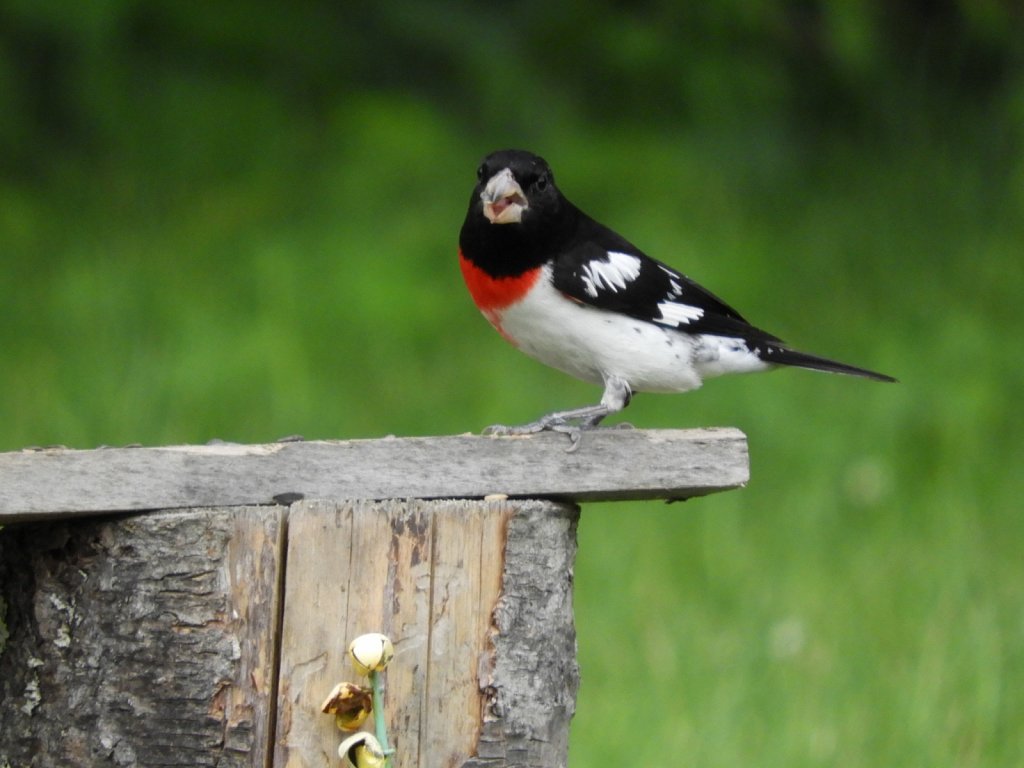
x: 503, y: 199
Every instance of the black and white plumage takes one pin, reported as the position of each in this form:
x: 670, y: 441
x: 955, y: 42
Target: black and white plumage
x: 579, y: 297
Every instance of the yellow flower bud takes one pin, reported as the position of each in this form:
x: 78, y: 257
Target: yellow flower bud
x: 362, y: 750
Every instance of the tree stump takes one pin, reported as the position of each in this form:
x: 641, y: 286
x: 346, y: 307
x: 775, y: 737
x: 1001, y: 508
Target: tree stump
x: 208, y: 629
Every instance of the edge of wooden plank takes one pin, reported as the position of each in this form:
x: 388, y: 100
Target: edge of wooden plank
x: 610, y: 465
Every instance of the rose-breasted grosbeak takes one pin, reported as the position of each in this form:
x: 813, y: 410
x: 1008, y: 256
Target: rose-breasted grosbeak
x: 579, y: 297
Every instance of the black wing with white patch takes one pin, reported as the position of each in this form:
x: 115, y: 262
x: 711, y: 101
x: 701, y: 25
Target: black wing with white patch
x: 608, y: 272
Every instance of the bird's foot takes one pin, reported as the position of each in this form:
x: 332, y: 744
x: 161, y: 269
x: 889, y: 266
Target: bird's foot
x: 574, y: 431
x: 571, y: 423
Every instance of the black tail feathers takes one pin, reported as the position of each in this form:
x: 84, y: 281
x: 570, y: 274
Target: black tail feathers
x: 784, y: 356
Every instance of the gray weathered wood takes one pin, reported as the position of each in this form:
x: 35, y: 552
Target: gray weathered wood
x: 145, y: 640
x: 477, y: 598
x: 208, y: 630
x: 159, y: 639
x: 531, y: 676
x: 610, y: 465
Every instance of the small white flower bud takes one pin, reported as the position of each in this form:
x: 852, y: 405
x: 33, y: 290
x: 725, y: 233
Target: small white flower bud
x: 371, y: 653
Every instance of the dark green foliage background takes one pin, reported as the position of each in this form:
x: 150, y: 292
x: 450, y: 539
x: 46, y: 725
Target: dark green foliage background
x: 239, y: 221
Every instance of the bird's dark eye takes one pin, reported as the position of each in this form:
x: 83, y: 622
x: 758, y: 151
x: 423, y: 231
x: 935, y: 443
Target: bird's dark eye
x: 481, y: 172
x: 542, y: 182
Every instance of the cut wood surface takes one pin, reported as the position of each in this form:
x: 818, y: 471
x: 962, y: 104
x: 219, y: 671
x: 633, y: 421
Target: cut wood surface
x: 611, y: 464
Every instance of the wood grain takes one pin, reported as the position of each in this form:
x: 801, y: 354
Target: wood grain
x: 611, y: 464
x: 208, y: 630
x: 476, y: 597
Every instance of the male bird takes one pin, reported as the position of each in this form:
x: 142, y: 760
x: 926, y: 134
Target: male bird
x: 579, y: 297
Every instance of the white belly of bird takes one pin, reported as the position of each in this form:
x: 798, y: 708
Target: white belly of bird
x: 594, y: 344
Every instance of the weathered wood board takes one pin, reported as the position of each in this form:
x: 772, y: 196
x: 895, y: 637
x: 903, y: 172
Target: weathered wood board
x: 477, y: 598
x: 200, y: 611
x: 611, y: 464
x: 162, y: 639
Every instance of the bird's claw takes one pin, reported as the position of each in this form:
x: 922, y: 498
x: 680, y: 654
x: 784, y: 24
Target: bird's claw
x: 574, y: 431
x: 564, y: 426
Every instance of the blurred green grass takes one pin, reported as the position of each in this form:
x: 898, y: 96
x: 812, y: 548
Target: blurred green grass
x: 860, y: 603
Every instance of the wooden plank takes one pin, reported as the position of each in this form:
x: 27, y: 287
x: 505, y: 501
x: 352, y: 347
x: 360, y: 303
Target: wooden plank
x: 143, y: 640
x: 467, y: 579
x: 476, y: 597
x: 345, y: 578
x: 611, y: 464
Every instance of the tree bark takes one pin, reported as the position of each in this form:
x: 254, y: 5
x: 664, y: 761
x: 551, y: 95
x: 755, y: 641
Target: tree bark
x: 142, y: 640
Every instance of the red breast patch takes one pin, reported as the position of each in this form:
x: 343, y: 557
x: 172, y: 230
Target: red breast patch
x: 493, y: 294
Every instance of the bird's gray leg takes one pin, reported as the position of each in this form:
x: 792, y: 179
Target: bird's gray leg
x: 617, y: 395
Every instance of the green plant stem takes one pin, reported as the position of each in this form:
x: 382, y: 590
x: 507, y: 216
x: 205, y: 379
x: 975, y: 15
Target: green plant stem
x: 377, y: 682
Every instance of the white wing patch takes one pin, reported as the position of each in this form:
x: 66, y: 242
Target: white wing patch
x: 679, y: 314
x: 612, y: 275
x: 675, y: 289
